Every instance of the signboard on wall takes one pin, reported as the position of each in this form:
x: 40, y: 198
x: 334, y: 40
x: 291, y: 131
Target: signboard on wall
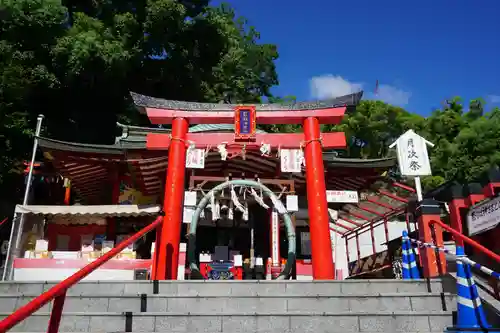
x: 342, y: 196
x: 484, y: 217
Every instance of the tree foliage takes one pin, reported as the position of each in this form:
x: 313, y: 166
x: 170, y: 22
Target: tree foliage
x: 76, y: 61
x: 466, y: 142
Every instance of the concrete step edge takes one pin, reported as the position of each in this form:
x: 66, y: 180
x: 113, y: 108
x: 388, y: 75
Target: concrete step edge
x: 372, y: 281
x: 85, y: 295
x: 248, y: 314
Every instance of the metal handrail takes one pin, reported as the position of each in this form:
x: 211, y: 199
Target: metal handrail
x: 58, y: 292
x: 467, y: 240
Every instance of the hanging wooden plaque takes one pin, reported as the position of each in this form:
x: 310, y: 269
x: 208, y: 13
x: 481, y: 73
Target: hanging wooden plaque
x: 245, y: 123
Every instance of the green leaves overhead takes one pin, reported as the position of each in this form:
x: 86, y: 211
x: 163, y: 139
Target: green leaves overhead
x: 76, y: 61
x: 466, y: 142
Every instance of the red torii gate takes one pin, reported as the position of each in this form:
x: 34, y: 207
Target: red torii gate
x: 245, y: 118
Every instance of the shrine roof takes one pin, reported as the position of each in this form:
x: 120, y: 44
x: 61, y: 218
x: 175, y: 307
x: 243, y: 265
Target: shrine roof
x: 142, y: 101
x: 89, y: 165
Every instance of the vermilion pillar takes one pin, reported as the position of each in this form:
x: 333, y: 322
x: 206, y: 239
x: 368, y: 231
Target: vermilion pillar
x: 427, y: 211
x: 167, y: 248
x: 456, y: 204
x: 321, y: 245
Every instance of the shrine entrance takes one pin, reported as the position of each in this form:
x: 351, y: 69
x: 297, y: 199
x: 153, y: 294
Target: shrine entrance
x: 235, y: 185
x: 309, y: 145
x: 250, y: 238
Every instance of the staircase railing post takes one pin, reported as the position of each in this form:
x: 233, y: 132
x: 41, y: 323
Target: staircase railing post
x: 56, y: 314
x: 427, y: 211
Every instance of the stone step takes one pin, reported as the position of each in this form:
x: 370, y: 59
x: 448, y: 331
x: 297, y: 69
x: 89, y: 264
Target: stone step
x: 232, y: 288
x: 387, y: 302
x: 233, y: 322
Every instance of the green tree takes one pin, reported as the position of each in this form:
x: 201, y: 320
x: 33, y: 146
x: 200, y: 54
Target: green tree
x: 27, y: 31
x: 467, y: 143
x: 76, y: 62
x: 282, y: 128
x: 373, y: 127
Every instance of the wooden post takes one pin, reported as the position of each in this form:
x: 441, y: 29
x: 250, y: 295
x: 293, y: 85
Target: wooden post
x: 372, y: 234
x: 347, y: 253
x: 427, y: 211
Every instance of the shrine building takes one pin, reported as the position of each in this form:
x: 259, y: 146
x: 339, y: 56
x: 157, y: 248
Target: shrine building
x: 158, y: 170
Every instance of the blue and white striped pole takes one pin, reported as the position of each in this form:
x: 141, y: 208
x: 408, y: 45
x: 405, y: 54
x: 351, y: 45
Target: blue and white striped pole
x: 409, y: 261
x: 470, y: 313
x: 405, y: 262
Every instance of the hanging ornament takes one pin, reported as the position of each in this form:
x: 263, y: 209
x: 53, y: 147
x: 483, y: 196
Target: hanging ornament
x: 235, y: 201
x: 278, y: 205
x: 217, y: 210
x: 214, y: 208
x: 245, y: 213
x: 302, y: 158
x: 207, y: 150
x: 265, y: 149
x: 230, y: 213
x: 244, y: 152
x: 202, y: 214
x: 258, y: 199
x: 222, y: 151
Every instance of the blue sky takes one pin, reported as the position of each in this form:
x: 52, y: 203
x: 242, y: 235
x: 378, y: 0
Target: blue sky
x: 420, y: 51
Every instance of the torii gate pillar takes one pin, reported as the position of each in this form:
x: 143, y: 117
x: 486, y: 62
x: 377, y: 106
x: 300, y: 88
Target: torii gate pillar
x: 319, y: 222
x: 169, y: 233
x: 245, y: 118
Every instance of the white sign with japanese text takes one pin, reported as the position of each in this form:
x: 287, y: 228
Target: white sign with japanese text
x: 291, y: 160
x: 412, y: 153
x: 275, y: 225
x: 484, y: 217
x: 195, y: 158
x: 342, y: 196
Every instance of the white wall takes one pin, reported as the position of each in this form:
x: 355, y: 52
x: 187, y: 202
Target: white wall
x: 365, y: 243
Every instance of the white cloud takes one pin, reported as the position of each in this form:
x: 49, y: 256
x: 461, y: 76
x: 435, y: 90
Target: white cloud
x: 331, y: 86
x: 391, y: 95
x: 494, y: 99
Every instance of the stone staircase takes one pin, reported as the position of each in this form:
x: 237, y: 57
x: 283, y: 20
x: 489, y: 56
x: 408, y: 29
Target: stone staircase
x: 241, y: 306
